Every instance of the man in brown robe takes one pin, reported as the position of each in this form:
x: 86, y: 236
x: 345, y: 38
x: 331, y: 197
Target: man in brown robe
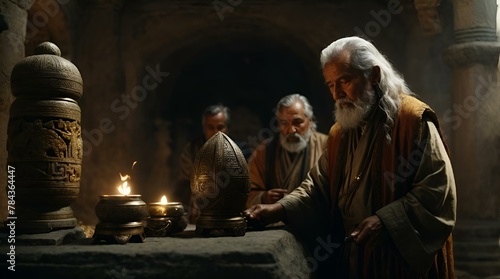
x: 280, y: 164
x: 384, y: 189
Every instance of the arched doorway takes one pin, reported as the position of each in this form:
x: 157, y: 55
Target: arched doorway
x: 248, y: 68
x: 251, y: 77
x: 247, y: 77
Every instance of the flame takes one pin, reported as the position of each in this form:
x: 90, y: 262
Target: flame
x: 163, y: 200
x: 124, y: 177
x: 124, y: 189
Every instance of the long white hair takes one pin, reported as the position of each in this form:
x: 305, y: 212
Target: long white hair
x: 363, y: 56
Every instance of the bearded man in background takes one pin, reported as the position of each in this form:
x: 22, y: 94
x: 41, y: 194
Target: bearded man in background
x: 280, y: 164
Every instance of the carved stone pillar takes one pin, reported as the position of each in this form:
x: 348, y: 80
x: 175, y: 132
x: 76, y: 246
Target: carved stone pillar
x: 473, y: 119
x: 44, y: 141
x: 475, y: 134
x: 13, y: 16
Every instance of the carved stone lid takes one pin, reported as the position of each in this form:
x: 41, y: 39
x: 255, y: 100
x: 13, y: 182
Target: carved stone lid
x: 46, y: 74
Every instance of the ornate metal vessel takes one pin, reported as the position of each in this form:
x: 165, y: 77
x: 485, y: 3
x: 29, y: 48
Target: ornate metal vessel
x: 44, y: 140
x: 220, y: 184
x: 165, y: 219
x: 121, y: 219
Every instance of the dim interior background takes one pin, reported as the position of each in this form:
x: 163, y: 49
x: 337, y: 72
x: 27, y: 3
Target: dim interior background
x: 150, y: 67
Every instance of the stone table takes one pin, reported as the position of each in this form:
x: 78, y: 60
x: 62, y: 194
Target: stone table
x: 271, y: 253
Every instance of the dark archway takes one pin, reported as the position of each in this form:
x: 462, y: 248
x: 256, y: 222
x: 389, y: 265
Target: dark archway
x: 247, y: 71
x: 252, y: 76
x: 248, y: 77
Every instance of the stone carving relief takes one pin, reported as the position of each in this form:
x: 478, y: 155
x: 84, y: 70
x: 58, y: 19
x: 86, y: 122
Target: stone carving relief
x: 51, y: 171
x: 57, y: 143
x: 54, y: 138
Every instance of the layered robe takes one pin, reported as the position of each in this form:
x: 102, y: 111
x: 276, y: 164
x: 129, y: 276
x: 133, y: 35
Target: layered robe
x: 271, y: 166
x: 408, y: 183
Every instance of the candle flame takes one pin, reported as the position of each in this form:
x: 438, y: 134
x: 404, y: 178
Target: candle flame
x: 163, y: 200
x: 124, y: 177
x: 124, y: 189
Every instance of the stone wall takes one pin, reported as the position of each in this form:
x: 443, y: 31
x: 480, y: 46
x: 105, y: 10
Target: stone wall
x: 12, y: 32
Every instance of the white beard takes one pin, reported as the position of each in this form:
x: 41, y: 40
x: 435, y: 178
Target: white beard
x: 351, y: 114
x: 298, y: 146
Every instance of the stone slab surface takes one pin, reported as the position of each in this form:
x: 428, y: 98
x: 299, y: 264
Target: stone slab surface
x: 52, y: 238
x: 272, y: 253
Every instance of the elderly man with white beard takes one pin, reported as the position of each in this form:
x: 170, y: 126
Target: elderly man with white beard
x: 280, y: 164
x: 384, y: 190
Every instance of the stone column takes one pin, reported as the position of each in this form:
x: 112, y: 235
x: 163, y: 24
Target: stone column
x: 473, y: 119
x: 13, y: 17
x: 97, y: 56
x: 475, y: 134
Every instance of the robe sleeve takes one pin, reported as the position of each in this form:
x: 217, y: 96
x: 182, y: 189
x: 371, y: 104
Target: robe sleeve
x: 420, y: 222
x: 257, y: 172
x: 307, y: 207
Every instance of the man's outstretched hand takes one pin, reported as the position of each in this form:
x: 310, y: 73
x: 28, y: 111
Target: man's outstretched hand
x: 261, y: 215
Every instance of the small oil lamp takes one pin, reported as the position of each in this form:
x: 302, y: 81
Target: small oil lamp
x: 121, y: 216
x: 165, y: 218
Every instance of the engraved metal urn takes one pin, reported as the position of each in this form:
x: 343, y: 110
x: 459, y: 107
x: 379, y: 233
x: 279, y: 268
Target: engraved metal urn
x: 121, y: 219
x: 220, y: 184
x: 44, y: 140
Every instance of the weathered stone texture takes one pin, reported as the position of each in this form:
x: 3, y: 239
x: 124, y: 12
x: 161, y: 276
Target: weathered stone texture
x: 11, y: 51
x: 264, y: 254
